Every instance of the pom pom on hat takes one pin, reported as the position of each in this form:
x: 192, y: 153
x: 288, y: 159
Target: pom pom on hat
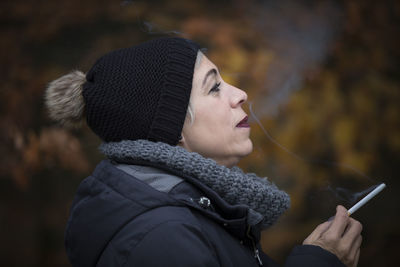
x: 64, y: 100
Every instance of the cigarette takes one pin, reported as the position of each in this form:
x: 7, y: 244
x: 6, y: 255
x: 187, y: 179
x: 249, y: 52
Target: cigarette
x: 361, y: 203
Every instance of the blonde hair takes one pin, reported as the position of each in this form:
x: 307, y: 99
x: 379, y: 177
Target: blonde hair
x: 190, y: 111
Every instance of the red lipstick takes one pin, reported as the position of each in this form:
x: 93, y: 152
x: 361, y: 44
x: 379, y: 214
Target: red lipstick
x: 243, y: 123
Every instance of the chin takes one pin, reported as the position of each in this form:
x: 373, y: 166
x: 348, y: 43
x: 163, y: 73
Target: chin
x: 248, y: 148
x: 232, y: 159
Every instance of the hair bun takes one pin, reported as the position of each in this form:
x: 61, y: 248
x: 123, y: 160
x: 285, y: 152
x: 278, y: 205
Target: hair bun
x: 64, y: 99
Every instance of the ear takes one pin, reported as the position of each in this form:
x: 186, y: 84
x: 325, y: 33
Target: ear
x: 181, y: 141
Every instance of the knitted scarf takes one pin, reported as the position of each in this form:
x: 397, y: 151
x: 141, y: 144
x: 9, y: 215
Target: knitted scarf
x: 231, y: 184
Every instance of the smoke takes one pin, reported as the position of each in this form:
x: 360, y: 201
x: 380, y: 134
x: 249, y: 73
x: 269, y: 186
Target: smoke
x: 302, y: 158
x: 148, y: 27
x: 126, y: 2
x: 349, y: 196
x: 346, y: 196
x: 152, y: 28
x: 300, y: 36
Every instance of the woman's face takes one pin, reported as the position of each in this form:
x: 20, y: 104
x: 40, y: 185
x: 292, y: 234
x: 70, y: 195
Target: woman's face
x: 220, y: 130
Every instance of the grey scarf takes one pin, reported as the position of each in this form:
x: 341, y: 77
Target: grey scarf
x: 233, y: 185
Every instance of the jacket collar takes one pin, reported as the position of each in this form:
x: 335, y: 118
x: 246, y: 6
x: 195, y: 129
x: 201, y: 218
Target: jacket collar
x: 237, y: 219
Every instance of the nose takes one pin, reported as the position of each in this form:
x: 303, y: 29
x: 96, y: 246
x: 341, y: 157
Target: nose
x: 238, y: 97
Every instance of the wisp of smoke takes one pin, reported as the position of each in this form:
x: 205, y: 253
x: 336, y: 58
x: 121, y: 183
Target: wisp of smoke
x: 299, y: 36
x: 152, y: 28
x: 341, y: 193
x: 348, y: 196
x: 301, y: 158
x: 126, y: 2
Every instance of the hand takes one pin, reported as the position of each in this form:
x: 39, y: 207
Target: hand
x: 342, y: 237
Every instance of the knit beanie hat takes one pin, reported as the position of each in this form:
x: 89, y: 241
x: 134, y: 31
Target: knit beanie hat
x: 141, y: 92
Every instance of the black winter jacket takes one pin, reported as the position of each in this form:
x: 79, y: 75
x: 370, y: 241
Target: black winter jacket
x: 119, y: 220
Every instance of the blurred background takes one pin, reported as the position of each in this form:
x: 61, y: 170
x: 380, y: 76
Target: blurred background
x: 323, y: 83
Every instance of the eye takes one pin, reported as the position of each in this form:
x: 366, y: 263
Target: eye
x: 215, y: 88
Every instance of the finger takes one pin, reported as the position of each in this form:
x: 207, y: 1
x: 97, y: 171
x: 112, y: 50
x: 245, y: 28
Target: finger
x: 355, y: 248
x: 340, y: 222
x: 357, y: 257
x: 318, y: 231
x: 352, y: 231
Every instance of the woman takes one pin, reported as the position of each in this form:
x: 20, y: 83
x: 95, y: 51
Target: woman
x: 169, y: 193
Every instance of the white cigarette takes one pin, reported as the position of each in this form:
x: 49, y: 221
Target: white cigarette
x: 361, y: 203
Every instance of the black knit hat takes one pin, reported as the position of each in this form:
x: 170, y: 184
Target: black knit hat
x: 141, y: 92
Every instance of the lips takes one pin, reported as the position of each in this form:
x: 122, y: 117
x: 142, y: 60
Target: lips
x: 243, y: 123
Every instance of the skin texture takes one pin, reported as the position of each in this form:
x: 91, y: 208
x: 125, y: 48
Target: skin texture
x: 218, y: 110
x: 341, y: 236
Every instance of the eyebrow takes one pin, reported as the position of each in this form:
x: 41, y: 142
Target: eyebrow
x: 210, y: 72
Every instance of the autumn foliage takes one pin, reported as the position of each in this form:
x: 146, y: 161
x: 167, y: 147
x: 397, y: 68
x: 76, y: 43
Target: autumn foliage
x: 322, y: 78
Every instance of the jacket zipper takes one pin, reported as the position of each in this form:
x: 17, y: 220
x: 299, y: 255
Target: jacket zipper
x: 255, y: 249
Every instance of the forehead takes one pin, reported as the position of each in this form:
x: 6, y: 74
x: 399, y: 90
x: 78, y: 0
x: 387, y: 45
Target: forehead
x: 203, y: 66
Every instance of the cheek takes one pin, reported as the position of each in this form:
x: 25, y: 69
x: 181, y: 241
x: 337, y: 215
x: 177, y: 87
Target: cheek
x: 211, y: 127
x: 214, y: 121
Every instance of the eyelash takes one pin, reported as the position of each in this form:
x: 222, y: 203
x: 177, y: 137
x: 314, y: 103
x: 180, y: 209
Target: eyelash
x: 215, y: 88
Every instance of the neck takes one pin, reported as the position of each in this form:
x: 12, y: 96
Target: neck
x: 223, y: 161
